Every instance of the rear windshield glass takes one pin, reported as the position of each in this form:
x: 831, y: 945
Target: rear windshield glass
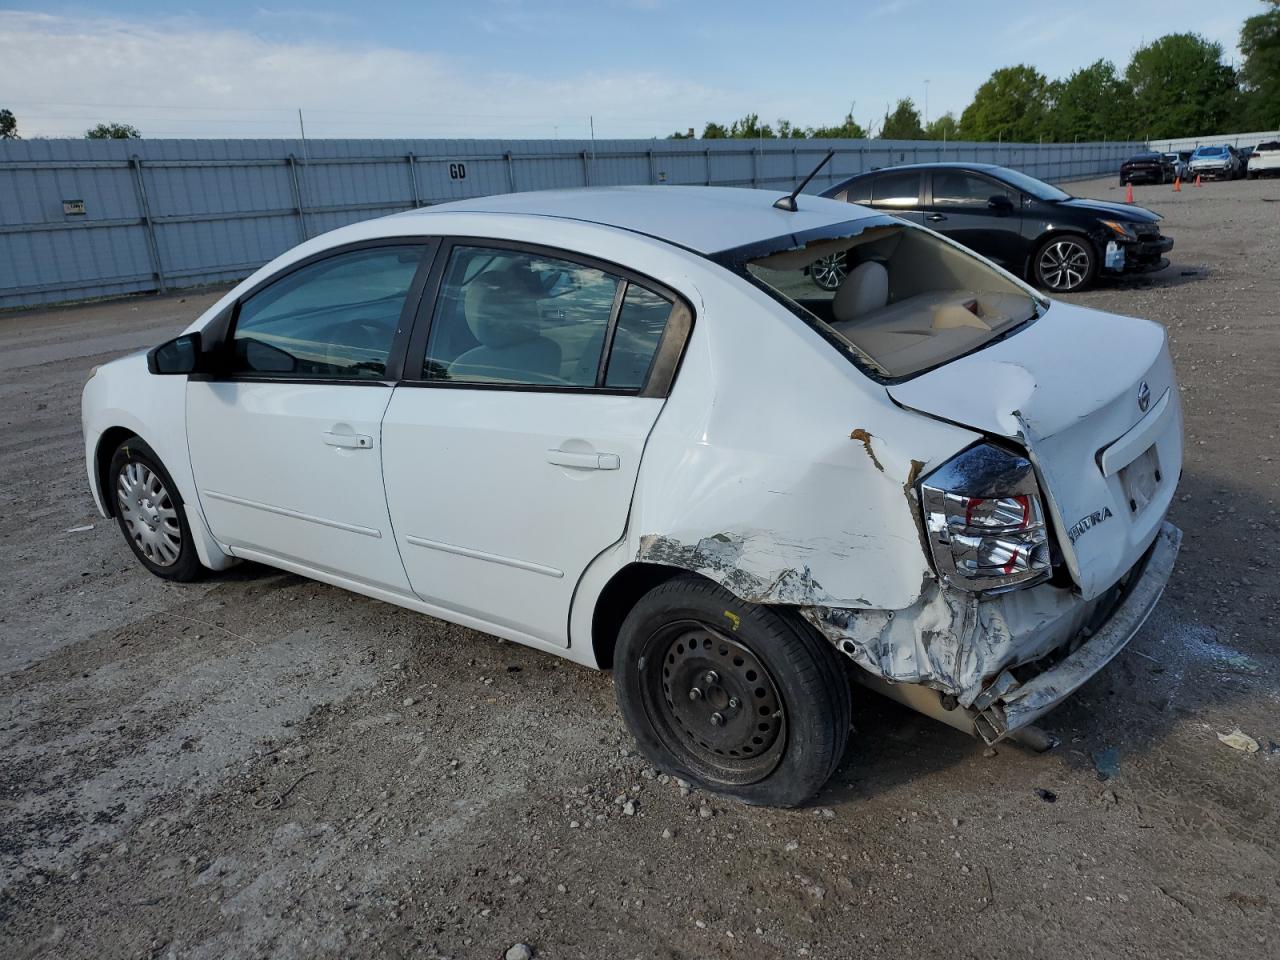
x: 899, y: 298
x: 1210, y: 151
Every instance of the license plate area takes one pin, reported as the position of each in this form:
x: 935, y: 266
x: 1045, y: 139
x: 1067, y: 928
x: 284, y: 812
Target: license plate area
x: 1141, y: 479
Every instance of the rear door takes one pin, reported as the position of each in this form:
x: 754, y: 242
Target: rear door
x: 977, y: 211
x: 899, y: 192
x: 512, y: 447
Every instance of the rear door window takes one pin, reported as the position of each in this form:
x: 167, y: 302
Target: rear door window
x: 518, y: 318
x: 896, y: 190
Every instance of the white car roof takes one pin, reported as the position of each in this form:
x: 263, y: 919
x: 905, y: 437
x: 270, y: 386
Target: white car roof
x: 703, y: 219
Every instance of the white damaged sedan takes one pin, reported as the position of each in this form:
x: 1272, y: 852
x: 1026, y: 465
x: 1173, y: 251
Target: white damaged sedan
x: 627, y: 427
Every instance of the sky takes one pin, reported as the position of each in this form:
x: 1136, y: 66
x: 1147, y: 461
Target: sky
x: 533, y: 69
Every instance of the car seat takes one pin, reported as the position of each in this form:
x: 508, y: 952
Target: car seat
x: 502, y: 312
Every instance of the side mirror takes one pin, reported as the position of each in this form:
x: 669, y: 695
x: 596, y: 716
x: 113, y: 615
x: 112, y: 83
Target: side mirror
x: 1000, y: 204
x: 177, y: 356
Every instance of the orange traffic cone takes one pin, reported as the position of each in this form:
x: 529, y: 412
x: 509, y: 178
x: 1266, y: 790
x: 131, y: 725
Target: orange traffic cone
x: 1128, y: 197
x: 1177, y: 184
x: 1197, y: 179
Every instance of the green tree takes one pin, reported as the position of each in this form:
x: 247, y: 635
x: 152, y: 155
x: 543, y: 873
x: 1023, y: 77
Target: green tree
x: 848, y: 130
x: 787, y: 131
x: 112, y: 131
x: 1094, y: 103
x: 1260, y: 71
x: 687, y: 135
x: 945, y: 127
x: 8, y: 125
x: 1181, y: 87
x: 903, y: 123
x: 750, y: 128
x: 1011, y: 106
x: 714, y: 131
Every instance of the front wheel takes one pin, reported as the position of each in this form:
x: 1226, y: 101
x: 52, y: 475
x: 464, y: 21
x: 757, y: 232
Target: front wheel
x: 150, y: 514
x: 737, y: 698
x: 1064, y: 264
x: 829, y: 272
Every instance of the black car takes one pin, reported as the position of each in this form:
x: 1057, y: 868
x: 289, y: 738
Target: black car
x: 1029, y: 227
x: 1147, y: 168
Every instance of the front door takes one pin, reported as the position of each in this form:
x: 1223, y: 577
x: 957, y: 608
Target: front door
x: 511, y: 461
x: 286, y: 440
x: 978, y: 212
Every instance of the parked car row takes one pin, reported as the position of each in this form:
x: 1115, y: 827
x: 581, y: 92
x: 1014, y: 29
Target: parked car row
x: 1031, y: 228
x: 1212, y: 162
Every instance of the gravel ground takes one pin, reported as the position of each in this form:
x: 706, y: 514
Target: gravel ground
x: 260, y: 765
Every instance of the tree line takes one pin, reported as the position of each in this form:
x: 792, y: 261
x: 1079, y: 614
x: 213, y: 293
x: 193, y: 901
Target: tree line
x: 1175, y: 86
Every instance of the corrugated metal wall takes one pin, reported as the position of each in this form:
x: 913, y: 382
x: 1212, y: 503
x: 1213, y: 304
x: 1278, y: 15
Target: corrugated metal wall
x: 94, y: 218
x: 1215, y: 140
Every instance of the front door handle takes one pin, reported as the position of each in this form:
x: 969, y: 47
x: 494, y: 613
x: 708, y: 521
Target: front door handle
x: 583, y: 461
x: 935, y: 217
x: 351, y: 441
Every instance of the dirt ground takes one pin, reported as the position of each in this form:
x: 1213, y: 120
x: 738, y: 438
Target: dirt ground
x: 262, y: 766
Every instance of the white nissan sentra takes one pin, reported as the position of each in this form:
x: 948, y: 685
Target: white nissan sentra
x: 627, y: 427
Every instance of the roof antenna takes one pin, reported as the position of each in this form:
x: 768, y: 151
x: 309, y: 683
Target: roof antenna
x: 789, y: 201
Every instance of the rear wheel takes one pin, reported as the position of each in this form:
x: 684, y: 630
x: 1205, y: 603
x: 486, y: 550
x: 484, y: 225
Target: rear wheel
x: 150, y: 514
x: 735, y: 697
x: 1064, y: 264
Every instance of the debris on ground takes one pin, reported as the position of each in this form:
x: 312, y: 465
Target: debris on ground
x: 1107, y: 762
x: 1239, y: 740
x: 1048, y: 796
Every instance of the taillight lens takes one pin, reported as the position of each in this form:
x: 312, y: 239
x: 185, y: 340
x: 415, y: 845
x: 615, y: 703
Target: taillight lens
x: 985, y: 521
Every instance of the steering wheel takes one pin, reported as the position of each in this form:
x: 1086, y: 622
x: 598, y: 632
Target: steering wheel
x: 347, y: 342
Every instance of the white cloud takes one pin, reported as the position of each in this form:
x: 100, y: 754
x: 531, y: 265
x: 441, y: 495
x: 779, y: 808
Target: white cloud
x: 185, y: 78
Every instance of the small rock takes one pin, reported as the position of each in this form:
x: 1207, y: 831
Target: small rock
x: 666, y: 834
x: 519, y: 951
x: 705, y: 812
x: 574, y: 824
x: 409, y: 701
x: 561, y: 888
x: 629, y: 808
x: 989, y: 752
x: 1048, y: 796
x: 791, y: 845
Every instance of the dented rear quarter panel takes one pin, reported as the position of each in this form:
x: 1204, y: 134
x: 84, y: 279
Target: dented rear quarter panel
x: 780, y: 470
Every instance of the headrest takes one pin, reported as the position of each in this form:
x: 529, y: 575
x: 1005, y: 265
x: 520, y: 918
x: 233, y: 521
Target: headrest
x: 501, y: 308
x: 866, y: 288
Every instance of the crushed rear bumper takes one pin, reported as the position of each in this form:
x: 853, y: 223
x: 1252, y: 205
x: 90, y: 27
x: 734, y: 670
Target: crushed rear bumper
x: 1008, y: 704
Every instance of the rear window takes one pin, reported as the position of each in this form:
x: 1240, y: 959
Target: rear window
x: 898, y: 298
x: 1268, y: 146
x: 1209, y: 151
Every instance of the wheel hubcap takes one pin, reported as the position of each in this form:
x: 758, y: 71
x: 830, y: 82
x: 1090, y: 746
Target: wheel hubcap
x: 724, y: 704
x: 1064, y: 265
x: 829, y: 272
x: 148, y: 514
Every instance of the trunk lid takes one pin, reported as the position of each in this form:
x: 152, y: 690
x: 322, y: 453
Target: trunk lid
x: 1068, y: 389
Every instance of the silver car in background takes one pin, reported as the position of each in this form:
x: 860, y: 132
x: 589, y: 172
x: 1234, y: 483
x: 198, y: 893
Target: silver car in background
x: 1220, y: 161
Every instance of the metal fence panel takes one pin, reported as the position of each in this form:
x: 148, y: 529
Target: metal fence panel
x: 93, y: 218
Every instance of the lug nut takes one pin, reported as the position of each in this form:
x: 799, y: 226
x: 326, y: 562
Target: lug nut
x: 717, y: 720
x: 711, y: 677
x: 695, y: 694
x: 733, y: 703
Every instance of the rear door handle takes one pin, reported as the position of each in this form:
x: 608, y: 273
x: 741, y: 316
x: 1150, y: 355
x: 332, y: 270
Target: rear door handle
x: 935, y: 217
x: 352, y: 441
x: 583, y: 461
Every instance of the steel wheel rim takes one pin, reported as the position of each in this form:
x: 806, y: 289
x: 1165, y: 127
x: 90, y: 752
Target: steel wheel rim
x: 1064, y: 265
x: 715, y: 703
x: 829, y: 272
x: 148, y: 514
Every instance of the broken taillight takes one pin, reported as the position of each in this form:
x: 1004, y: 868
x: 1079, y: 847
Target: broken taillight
x: 985, y: 520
